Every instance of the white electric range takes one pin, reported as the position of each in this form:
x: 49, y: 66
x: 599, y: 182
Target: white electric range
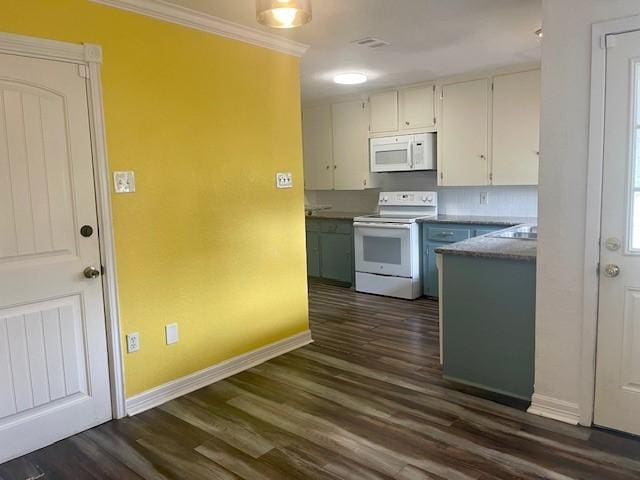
x: 387, y: 244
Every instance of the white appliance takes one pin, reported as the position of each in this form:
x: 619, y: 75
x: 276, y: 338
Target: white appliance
x: 403, y: 153
x: 387, y: 244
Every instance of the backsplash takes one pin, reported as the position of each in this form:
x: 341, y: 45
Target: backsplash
x: 502, y: 201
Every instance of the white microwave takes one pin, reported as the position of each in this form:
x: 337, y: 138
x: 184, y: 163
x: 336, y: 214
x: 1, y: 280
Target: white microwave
x: 403, y: 153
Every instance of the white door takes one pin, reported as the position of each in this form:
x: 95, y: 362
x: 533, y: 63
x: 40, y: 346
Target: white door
x: 464, y: 134
x: 351, y: 146
x: 383, y: 248
x: 384, y: 112
x: 417, y: 107
x: 618, y: 363
x: 53, y: 356
x: 516, y: 129
x: 317, y: 148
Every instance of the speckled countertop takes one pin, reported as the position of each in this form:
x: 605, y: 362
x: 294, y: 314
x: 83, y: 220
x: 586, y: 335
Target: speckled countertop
x: 486, y: 246
x: 331, y: 215
x: 480, y: 220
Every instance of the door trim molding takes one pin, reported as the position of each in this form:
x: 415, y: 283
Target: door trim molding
x: 176, y: 388
x: 190, y: 18
x: 91, y: 56
x: 595, y: 164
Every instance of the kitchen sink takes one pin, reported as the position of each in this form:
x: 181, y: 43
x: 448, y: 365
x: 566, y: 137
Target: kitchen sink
x: 521, y: 232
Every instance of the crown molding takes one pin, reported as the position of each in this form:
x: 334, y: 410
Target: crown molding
x: 168, y: 12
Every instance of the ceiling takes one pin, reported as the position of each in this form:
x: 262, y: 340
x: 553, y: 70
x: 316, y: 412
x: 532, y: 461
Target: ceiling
x: 429, y: 38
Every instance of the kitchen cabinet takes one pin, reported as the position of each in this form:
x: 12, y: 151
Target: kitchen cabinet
x: 330, y: 249
x: 350, y: 126
x: 317, y: 148
x: 438, y: 234
x: 417, y: 107
x: 489, y: 131
x: 464, y: 134
x: 384, y: 112
x: 488, y: 323
x: 516, y: 128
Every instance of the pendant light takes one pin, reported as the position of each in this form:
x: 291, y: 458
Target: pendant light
x: 283, y: 13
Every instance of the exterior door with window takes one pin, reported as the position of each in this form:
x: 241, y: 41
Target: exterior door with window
x: 617, y: 402
x: 54, y: 379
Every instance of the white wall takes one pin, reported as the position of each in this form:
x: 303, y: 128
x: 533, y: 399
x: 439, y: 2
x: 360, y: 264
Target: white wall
x: 503, y: 201
x: 566, y: 59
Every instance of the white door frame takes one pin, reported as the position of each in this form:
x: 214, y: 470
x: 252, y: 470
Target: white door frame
x: 591, y: 281
x: 88, y: 57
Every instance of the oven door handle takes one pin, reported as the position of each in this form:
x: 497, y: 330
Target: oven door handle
x: 389, y: 226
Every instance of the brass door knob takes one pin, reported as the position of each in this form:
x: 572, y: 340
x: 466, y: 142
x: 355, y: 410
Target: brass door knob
x: 612, y: 271
x: 91, y: 272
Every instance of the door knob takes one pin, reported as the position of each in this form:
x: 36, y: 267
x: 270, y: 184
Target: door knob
x: 612, y: 271
x: 91, y: 272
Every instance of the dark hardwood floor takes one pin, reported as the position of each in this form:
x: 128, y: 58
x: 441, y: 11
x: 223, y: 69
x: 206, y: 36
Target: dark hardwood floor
x: 365, y: 401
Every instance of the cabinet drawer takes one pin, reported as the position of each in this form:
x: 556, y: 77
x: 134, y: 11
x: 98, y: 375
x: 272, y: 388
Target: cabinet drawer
x: 451, y: 235
x: 336, y: 227
x: 312, y: 225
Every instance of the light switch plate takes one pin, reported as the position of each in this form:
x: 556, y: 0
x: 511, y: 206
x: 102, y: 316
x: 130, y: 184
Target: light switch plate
x: 133, y: 342
x: 284, y: 180
x: 171, y: 331
x: 124, y: 182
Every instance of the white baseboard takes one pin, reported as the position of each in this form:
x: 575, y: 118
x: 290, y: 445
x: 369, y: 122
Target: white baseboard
x: 181, y: 386
x: 549, y: 407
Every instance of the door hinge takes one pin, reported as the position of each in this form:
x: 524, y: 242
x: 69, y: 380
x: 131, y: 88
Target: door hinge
x: 83, y: 71
x: 102, y: 269
x: 492, y: 86
x: 434, y: 120
x: 441, y: 175
x: 608, y: 41
x: 364, y: 182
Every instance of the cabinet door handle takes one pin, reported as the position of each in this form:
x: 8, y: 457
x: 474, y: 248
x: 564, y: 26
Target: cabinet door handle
x: 407, y: 123
x: 482, y: 157
x: 328, y: 167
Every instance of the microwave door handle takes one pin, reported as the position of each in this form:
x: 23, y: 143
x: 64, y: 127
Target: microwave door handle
x: 389, y: 226
x: 410, y: 155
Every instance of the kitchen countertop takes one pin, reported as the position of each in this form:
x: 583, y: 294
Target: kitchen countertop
x: 486, y: 246
x: 480, y: 220
x: 331, y: 215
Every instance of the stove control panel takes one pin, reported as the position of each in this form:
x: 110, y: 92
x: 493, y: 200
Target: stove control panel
x: 408, y: 199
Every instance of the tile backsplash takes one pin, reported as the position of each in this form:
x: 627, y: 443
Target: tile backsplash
x: 502, y: 201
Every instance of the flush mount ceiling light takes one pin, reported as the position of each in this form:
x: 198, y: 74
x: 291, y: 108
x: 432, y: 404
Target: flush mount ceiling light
x: 283, y: 13
x: 350, y: 78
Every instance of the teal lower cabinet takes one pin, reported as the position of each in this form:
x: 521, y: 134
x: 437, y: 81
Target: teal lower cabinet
x: 330, y: 250
x: 438, y: 234
x: 488, y: 323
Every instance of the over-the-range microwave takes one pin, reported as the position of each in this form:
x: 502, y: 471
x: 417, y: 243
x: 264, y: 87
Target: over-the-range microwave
x: 403, y: 153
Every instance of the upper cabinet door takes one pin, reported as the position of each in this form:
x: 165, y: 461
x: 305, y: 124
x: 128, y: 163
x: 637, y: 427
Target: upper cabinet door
x: 384, y: 112
x: 317, y: 148
x: 516, y: 128
x: 464, y: 133
x: 351, y: 145
x: 417, y: 107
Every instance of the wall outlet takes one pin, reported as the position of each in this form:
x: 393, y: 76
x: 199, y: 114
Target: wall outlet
x: 171, y: 332
x: 133, y: 342
x: 284, y: 180
x: 484, y: 198
x: 124, y: 182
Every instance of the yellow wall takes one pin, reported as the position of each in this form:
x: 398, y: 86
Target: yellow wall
x: 207, y: 241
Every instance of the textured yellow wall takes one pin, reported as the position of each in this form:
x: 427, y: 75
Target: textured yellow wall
x: 207, y: 240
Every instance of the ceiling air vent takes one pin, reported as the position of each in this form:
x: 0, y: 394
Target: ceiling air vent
x: 370, y: 42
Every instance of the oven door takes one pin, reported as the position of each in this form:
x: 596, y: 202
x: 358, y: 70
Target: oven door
x: 384, y: 248
x: 394, y: 156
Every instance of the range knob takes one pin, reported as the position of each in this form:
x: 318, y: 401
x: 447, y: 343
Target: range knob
x: 385, y: 199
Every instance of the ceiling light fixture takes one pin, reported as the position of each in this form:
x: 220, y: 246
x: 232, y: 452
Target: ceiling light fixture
x: 283, y: 13
x: 539, y: 33
x: 350, y: 78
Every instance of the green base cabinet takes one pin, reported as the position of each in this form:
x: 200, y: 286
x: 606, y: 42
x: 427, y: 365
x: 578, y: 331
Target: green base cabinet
x: 437, y: 234
x: 330, y: 250
x: 488, y: 323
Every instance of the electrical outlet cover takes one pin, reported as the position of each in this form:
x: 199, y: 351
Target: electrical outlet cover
x: 172, y: 333
x: 284, y: 180
x: 133, y: 342
x: 124, y: 182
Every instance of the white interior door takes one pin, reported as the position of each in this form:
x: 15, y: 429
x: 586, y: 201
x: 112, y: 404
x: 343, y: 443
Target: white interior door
x: 54, y: 378
x: 618, y: 365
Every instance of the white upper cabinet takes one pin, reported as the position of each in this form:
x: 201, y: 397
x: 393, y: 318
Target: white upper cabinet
x: 417, y: 107
x: 384, y: 112
x: 464, y: 134
x: 351, y: 146
x: 317, y: 148
x: 516, y: 128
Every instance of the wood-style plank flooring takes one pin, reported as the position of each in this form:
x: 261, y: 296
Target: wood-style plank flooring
x: 365, y: 401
